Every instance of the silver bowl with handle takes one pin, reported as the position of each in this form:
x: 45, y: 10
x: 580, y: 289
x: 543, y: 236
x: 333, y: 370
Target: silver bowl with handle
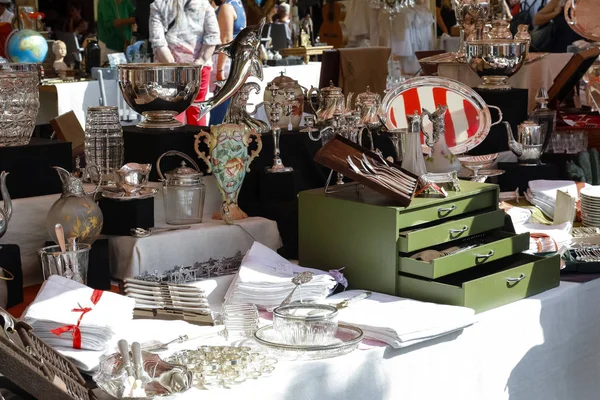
x: 495, y: 60
x: 159, y: 91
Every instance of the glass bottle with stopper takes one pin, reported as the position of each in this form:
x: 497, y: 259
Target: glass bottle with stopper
x: 544, y: 116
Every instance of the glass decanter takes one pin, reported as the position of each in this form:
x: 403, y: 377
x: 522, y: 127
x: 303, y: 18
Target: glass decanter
x: 544, y: 116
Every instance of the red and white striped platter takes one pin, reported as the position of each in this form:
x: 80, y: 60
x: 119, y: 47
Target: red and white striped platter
x: 467, y: 120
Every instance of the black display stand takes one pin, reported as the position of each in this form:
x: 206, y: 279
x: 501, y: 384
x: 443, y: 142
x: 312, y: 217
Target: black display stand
x: 122, y: 216
x: 519, y: 176
x: 514, y: 105
x: 147, y: 145
x: 30, y: 167
x: 10, y: 260
x: 98, y: 276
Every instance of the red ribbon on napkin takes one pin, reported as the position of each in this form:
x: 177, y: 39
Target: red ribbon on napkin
x: 96, y: 295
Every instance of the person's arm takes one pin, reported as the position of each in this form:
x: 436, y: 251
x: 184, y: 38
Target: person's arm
x: 117, y: 23
x: 226, y: 21
x: 210, y: 38
x: 157, y: 36
x: 440, y: 21
x: 548, y: 13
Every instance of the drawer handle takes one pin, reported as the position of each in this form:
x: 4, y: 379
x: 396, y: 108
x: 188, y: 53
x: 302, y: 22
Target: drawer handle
x: 514, y: 280
x: 488, y: 255
x: 454, y: 232
x: 446, y: 210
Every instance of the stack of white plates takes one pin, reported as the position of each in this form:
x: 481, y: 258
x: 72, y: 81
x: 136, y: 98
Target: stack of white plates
x: 590, y: 205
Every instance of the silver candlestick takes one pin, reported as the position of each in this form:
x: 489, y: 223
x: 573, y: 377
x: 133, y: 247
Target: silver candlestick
x: 277, y: 109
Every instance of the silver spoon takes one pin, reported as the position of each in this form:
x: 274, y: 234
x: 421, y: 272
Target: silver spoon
x: 300, y: 279
x: 142, y: 233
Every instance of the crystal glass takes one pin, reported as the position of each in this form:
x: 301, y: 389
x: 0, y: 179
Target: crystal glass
x: 240, y: 320
x: 572, y: 143
x: 305, y: 323
x: 70, y: 264
x: 104, y: 140
x: 558, y: 142
x: 19, y: 102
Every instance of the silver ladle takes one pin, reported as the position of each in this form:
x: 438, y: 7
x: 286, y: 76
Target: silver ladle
x: 300, y: 279
x: 142, y: 233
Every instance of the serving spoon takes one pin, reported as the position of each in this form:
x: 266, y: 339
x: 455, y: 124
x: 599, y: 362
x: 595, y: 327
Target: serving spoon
x: 142, y: 233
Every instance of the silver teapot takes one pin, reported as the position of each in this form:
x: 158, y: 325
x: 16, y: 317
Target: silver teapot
x: 6, y: 212
x: 368, y: 103
x: 529, y: 145
x: 331, y: 101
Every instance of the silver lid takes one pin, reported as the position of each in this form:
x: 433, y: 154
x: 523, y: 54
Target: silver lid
x: 183, y: 176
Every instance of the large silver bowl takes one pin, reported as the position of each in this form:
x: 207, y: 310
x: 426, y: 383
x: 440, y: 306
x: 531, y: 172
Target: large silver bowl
x: 159, y: 91
x: 495, y: 60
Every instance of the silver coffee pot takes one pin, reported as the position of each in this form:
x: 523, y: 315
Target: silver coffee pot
x: 331, y: 102
x: 529, y: 145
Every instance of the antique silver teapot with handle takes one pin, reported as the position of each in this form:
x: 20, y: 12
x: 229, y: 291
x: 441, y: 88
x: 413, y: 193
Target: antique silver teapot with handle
x: 529, y: 145
x: 331, y: 101
x: 368, y: 103
x: 6, y: 211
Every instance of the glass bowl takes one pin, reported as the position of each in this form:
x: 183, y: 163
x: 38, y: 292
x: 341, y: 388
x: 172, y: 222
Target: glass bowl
x: 305, y: 324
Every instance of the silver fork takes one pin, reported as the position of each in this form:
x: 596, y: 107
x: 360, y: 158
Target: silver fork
x: 389, y: 170
x: 390, y: 180
x: 368, y: 175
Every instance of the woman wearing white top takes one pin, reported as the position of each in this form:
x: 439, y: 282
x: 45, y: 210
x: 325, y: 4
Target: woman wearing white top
x: 5, y: 14
x: 185, y: 31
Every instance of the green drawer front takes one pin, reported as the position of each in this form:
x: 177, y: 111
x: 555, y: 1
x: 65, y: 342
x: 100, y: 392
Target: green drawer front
x: 509, y: 280
x: 448, y: 231
x: 443, y: 210
x: 506, y: 245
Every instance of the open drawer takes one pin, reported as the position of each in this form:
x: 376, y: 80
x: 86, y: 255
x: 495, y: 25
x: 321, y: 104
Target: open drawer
x: 491, y: 247
x: 498, y: 283
x: 457, y: 228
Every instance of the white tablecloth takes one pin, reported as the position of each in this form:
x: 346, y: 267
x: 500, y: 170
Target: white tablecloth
x: 545, y: 347
x: 130, y: 256
x: 532, y: 76
x: 60, y: 98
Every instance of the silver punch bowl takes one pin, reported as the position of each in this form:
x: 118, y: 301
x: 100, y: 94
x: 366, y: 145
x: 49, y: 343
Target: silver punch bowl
x: 495, y: 60
x: 159, y: 91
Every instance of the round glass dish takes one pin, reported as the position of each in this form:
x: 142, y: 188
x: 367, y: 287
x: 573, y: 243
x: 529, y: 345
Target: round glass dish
x: 305, y: 324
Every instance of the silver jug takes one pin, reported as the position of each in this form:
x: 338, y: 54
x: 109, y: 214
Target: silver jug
x: 6, y: 212
x: 529, y: 145
x: 331, y: 101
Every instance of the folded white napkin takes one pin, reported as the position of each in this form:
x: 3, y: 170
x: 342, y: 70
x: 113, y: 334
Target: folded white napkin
x: 401, y: 322
x: 265, y: 279
x: 561, y: 234
x: 61, y: 303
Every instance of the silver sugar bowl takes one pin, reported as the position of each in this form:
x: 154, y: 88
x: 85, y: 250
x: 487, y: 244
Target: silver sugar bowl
x: 183, y: 191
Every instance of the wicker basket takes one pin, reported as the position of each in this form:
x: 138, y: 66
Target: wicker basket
x: 37, y: 368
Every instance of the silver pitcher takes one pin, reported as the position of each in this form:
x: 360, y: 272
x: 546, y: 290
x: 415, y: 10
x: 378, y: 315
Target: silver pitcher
x: 6, y: 212
x: 331, y: 102
x: 529, y: 145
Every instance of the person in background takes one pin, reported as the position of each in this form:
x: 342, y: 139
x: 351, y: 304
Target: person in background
x: 5, y: 14
x: 232, y: 19
x: 444, y: 17
x: 284, y: 18
x: 563, y: 36
x: 185, y: 31
x: 75, y: 22
x: 115, y: 21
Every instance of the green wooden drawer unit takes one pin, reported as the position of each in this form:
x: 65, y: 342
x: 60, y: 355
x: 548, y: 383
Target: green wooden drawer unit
x: 501, y: 244
x: 501, y: 282
x: 373, y: 241
x: 422, y: 238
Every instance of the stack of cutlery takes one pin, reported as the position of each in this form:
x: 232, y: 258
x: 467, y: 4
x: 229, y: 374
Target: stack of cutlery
x: 162, y: 300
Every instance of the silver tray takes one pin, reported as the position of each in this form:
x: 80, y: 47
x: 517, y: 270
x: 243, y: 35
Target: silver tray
x: 346, y: 340
x: 470, y: 115
x: 144, y: 193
